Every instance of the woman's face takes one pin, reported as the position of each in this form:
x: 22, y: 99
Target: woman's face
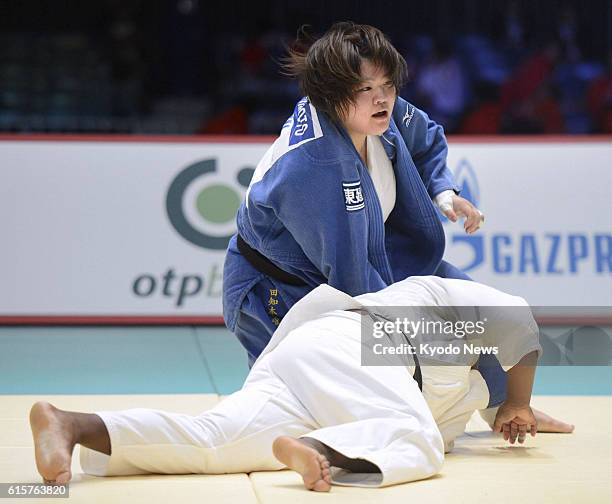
x: 374, y: 100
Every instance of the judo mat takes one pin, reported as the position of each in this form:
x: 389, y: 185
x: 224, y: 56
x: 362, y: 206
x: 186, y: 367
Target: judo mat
x: 189, y: 369
x: 554, y: 468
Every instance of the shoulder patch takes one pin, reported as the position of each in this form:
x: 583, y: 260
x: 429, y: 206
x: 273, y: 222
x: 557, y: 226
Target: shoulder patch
x: 353, y: 196
x: 302, y: 126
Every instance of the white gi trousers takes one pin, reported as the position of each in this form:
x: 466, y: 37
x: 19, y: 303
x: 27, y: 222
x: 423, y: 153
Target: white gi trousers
x: 310, y: 384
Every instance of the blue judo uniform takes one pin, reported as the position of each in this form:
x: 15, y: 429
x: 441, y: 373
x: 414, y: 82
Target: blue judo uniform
x: 312, y: 210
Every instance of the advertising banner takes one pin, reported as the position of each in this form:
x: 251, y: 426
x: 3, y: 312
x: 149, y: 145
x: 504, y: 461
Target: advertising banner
x: 139, y: 228
x: 548, y: 232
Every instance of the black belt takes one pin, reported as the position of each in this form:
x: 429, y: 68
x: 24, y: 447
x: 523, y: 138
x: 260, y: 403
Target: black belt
x: 418, y: 377
x: 264, y: 265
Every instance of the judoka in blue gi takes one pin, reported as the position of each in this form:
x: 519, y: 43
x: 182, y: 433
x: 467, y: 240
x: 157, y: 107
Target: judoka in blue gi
x: 347, y: 193
x: 322, y: 214
x: 314, y: 211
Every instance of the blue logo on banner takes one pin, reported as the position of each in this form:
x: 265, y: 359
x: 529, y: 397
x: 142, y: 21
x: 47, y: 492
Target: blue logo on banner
x: 302, y: 127
x: 550, y: 253
x: 465, y: 178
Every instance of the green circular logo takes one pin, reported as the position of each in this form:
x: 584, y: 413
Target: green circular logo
x: 217, y: 203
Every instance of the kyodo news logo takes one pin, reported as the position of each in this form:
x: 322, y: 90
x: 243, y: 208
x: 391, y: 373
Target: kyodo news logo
x: 201, y: 204
x: 541, y: 252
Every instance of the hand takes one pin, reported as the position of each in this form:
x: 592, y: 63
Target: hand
x: 463, y: 208
x: 515, y: 422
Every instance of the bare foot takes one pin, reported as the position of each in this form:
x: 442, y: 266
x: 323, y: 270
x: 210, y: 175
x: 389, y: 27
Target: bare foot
x: 300, y: 457
x: 546, y: 423
x: 53, y: 434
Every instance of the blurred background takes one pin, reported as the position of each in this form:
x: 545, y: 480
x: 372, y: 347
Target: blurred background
x: 102, y: 290
x: 194, y: 67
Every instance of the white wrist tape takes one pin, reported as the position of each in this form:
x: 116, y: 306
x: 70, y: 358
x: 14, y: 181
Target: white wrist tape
x: 444, y: 200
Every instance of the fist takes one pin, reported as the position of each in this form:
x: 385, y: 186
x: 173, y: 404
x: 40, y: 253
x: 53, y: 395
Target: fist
x: 514, y: 422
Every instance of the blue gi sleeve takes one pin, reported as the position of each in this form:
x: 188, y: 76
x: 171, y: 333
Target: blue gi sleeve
x: 427, y: 145
x: 309, y: 203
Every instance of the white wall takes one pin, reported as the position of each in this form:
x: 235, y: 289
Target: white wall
x: 85, y: 227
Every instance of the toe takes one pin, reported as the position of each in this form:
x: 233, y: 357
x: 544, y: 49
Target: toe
x: 321, y: 486
x: 63, y: 478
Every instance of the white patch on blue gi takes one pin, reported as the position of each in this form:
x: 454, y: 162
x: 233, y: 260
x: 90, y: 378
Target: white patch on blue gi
x: 353, y: 196
x: 303, y: 126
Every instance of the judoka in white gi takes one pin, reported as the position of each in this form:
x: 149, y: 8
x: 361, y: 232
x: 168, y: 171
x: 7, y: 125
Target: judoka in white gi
x: 309, y: 401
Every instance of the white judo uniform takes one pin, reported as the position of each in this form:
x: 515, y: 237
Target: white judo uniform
x: 309, y: 381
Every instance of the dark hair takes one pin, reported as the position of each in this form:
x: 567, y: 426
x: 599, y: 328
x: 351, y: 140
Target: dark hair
x: 329, y: 69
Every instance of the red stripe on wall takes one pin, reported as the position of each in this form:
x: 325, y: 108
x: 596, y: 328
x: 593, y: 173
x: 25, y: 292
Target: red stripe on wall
x: 266, y: 139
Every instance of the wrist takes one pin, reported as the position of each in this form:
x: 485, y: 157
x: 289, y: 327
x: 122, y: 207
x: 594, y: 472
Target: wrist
x: 444, y: 200
x: 515, y: 403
